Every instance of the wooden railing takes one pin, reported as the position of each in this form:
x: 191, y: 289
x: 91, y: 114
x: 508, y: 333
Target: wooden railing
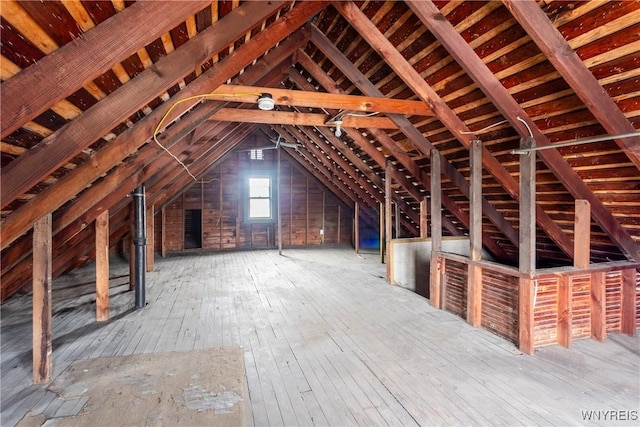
x: 553, y: 306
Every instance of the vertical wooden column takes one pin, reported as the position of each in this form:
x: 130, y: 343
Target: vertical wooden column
x: 388, y: 214
x: 437, y: 264
x: 279, y: 201
x: 306, y: 227
x: 598, y: 306
x: 323, y: 229
x: 339, y: 223
x: 102, y: 266
x: 150, y: 237
x: 397, y: 221
x: 381, y: 236
x: 356, y: 227
x: 42, y: 280
x: 424, y: 233
x: 628, y: 320
x: 564, y: 311
x: 581, y: 249
x: 474, y: 278
x: 527, y: 240
x: 582, y: 234
x: 163, y: 233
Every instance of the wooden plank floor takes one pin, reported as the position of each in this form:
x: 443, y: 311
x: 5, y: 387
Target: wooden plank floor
x: 326, y: 342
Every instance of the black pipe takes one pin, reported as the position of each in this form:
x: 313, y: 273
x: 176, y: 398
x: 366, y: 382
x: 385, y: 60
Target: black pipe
x: 140, y: 242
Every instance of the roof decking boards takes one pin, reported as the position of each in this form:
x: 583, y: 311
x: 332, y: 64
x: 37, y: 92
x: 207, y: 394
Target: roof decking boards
x: 482, y: 69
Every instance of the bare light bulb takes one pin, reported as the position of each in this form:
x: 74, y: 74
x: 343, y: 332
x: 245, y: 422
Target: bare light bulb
x: 338, y: 128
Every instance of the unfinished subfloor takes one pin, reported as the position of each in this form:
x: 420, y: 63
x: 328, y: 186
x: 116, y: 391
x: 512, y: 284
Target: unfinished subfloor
x: 326, y: 342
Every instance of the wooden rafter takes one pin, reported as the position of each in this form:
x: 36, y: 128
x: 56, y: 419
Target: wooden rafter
x: 317, y: 167
x: 513, y: 112
x: 366, y: 86
x: 129, y: 141
x: 447, y: 116
x: 325, y: 81
x: 350, y: 170
x: 58, y: 148
x: 570, y: 66
x: 30, y: 92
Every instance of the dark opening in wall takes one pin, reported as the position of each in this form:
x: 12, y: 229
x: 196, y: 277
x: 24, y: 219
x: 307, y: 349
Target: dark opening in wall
x: 192, y: 228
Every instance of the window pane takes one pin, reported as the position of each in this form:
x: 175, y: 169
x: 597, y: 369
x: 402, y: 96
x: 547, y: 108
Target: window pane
x: 259, y: 187
x: 260, y: 208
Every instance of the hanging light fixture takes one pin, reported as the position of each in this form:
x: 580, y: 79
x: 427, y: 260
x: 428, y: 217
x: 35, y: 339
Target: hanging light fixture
x: 265, y: 102
x: 338, y: 128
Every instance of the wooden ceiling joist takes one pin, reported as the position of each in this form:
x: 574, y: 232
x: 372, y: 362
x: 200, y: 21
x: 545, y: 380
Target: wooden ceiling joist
x: 300, y: 119
x: 316, y: 99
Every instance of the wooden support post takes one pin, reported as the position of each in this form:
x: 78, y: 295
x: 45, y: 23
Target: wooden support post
x: 279, y: 200
x: 102, y: 266
x: 436, y: 285
x: 381, y: 231
x: 527, y: 240
x: 163, y: 233
x: 598, y: 306
x: 526, y: 306
x: 424, y: 203
x: 397, y: 221
x: 150, y: 237
x: 42, y: 281
x: 582, y: 234
x: 628, y: 320
x: 356, y: 227
x: 388, y: 214
x: 564, y: 311
x: 436, y: 279
x: 474, y: 278
x: 339, y: 219
x: 323, y: 229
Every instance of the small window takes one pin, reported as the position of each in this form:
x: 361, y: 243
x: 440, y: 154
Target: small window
x: 260, y: 198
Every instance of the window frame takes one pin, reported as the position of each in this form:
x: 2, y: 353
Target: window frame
x: 247, y: 196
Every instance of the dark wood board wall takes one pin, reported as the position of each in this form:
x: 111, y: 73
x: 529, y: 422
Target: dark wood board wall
x: 310, y: 214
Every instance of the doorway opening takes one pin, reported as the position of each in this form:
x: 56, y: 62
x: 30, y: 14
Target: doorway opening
x: 193, y: 229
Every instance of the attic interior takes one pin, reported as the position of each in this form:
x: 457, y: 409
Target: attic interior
x: 167, y: 131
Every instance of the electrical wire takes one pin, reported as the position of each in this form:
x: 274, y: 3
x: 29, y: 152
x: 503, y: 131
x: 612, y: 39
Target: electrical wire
x: 174, y: 105
x: 527, y: 125
x: 483, y: 129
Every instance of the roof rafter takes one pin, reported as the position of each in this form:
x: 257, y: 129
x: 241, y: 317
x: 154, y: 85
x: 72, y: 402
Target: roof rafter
x: 572, y: 69
x: 366, y: 86
x: 129, y: 141
x: 377, y: 156
x: 30, y: 92
x: 58, y: 148
x: 447, y: 116
x: 430, y: 15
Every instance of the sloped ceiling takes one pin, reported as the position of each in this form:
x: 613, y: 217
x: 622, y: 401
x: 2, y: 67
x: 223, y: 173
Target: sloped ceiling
x: 86, y: 86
